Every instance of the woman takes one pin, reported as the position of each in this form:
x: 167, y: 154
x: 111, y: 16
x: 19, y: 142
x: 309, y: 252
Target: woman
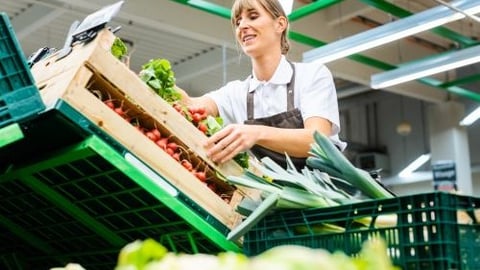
x: 276, y: 110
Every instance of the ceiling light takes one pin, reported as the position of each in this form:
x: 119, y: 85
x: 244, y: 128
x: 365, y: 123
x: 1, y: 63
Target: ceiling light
x: 389, y: 32
x: 414, y: 165
x: 426, y: 67
x: 470, y: 118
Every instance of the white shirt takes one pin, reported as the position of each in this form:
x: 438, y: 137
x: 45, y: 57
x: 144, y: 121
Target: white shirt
x: 315, y: 95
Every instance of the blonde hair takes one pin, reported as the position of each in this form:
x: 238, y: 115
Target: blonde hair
x: 272, y: 7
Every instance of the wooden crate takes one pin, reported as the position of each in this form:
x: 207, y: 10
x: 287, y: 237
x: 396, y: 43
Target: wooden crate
x: 91, y: 73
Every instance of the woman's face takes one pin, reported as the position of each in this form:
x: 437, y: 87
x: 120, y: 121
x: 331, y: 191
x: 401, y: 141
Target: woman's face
x: 257, y: 32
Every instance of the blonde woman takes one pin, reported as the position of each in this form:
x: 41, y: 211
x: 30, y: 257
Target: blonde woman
x: 277, y: 108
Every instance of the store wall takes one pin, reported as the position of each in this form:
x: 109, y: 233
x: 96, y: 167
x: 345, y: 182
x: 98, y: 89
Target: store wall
x: 379, y: 133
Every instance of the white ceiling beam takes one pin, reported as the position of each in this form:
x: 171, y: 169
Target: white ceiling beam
x: 352, y: 71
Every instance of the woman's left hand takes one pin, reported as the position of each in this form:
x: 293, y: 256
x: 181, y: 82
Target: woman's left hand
x: 225, y: 144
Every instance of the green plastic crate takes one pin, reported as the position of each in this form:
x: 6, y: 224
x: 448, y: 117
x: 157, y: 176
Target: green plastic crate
x: 426, y: 234
x: 86, y: 198
x: 19, y: 96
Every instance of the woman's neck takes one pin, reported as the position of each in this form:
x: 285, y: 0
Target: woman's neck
x: 264, y: 67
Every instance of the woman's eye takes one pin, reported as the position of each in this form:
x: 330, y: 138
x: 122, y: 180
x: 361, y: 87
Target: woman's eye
x: 238, y: 21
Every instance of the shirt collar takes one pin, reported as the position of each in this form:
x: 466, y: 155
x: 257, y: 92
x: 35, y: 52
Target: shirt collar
x: 282, y: 75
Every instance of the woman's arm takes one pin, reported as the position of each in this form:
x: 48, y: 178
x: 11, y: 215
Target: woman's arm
x: 199, y: 102
x: 233, y: 139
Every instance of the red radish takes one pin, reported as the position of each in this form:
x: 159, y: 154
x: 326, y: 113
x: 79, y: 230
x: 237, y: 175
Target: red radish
x: 187, y: 164
x: 176, y: 156
x: 196, y: 117
x: 119, y: 111
x: 201, y: 110
x: 157, y: 133
x: 169, y: 151
x: 173, y: 146
x: 203, y: 127
x: 162, y: 142
x: 151, y: 136
x: 110, y: 104
x: 202, y: 176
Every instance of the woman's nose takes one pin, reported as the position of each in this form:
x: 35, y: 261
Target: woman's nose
x: 242, y: 23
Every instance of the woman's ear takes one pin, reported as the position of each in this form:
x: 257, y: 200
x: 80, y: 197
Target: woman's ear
x: 282, y: 24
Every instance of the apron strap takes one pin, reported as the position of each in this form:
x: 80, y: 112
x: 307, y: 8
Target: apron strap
x: 290, y: 95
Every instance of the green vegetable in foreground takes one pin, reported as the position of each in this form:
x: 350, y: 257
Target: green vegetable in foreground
x: 150, y: 255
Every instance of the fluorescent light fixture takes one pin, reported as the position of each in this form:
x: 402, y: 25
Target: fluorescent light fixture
x: 471, y: 117
x: 414, y: 165
x: 426, y: 67
x: 389, y: 32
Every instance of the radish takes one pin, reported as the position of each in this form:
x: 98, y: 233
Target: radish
x: 176, y: 156
x: 187, y: 164
x: 109, y: 104
x: 202, y: 176
x: 157, y: 133
x: 173, y: 146
x: 151, y: 136
x: 162, y: 142
x: 196, y: 117
x: 169, y: 151
x: 203, y: 127
x: 119, y: 111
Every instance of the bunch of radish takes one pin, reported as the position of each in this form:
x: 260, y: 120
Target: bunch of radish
x: 197, y: 116
x: 167, y: 143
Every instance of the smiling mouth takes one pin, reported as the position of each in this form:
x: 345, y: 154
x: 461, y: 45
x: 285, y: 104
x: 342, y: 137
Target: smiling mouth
x: 248, y: 38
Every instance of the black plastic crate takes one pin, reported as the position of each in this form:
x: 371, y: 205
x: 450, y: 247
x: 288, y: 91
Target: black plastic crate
x: 19, y: 96
x: 423, y: 231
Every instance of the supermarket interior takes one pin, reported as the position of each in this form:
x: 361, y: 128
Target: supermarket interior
x: 103, y: 167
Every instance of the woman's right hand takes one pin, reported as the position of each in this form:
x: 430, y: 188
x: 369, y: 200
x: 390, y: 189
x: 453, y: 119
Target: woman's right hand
x: 225, y: 144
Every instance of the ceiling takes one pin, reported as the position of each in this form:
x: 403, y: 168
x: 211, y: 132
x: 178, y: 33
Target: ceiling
x: 196, y: 37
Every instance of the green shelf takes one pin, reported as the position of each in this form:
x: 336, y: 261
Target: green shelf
x: 83, y: 197
x: 435, y: 231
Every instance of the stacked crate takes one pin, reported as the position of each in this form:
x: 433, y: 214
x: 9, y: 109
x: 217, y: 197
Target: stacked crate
x: 19, y: 97
x: 95, y: 182
x: 435, y: 231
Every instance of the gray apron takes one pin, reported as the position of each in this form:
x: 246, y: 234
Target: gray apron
x: 292, y: 118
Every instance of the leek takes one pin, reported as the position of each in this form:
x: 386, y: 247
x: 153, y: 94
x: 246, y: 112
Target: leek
x: 327, y: 157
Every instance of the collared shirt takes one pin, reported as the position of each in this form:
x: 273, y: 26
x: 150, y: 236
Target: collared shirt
x: 315, y: 95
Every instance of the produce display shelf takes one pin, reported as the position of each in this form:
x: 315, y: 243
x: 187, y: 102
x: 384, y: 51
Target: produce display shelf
x: 10, y: 133
x: 422, y: 231
x: 70, y: 193
x: 90, y: 78
x: 19, y: 96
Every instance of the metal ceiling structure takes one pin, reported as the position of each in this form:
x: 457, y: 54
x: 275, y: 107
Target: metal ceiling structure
x: 197, y: 38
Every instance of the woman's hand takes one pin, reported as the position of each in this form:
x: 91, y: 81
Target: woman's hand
x: 225, y: 144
